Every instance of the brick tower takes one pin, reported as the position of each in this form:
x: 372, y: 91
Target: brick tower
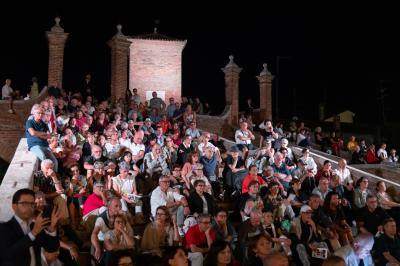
x: 155, y: 64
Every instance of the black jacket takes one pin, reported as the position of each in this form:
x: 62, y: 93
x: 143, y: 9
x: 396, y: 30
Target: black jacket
x: 196, y: 203
x: 14, y: 244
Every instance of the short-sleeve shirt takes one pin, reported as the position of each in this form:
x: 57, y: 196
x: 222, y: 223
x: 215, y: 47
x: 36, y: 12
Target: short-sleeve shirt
x: 37, y: 126
x: 196, y: 237
x: 160, y: 198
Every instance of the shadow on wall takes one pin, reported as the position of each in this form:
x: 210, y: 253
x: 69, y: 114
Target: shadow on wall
x: 3, y: 169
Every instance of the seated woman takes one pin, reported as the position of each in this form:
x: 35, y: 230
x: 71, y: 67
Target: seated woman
x: 119, y: 238
x: 279, y: 241
x: 296, y: 197
x: 263, y: 156
x: 77, y: 194
x: 260, y: 246
x: 220, y: 254
x: 252, y: 176
x: 187, y: 169
x: 124, y: 186
x: 361, y: 192
x: 386, y: 202
x: 273, y: 200
x: 326, y: 171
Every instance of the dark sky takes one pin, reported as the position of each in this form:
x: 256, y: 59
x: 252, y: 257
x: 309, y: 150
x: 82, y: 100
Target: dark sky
x: 340, y: 53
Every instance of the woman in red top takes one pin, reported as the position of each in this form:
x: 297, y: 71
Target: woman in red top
x: 371, y: 155
x: 252, y: 176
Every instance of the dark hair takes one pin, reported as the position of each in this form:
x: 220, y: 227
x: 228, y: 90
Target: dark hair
x: 117, y: 255
x: 377, y: 185
x: 221, y: 209
x: 253, y: 243
x: 360, y: 180
x: 252, y: 183
x: 168, y: 215
x: 25, y: 191
x: 328, y: 198
x: 326, y: 162
x: 252, y: 166
x: 169, y: 253
x: 370, y: 196
x: 388, y: 220
x: 216, y: 247
x: 198, y: 181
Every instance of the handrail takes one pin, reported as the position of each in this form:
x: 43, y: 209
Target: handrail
x: 351, y: 168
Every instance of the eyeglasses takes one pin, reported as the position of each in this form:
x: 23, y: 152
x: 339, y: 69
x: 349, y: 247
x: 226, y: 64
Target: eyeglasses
x: 27, y: 203
x: 177, y: 170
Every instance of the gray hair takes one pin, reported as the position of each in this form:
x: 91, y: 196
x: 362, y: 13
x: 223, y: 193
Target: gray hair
x: 46, y: 162
x: 36, y: 107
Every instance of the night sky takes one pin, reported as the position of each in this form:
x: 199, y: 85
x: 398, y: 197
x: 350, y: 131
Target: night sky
x: 339, y: 54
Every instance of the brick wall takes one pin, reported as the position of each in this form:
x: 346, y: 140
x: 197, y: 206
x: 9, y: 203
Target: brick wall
x: 155, y: 65
x: 12, y: 126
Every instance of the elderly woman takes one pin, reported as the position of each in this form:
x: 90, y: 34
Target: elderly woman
x: 124, y: 186
x: 77, y: 192
x: 161, y: 233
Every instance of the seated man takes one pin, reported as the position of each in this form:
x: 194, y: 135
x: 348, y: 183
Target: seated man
x: 387, y: 245
x: 199, y: 239
x: 164, y: 195
x: 371, y: 216
x: 95, y: 201
x: 243, y: 138
x: 46, y: 180
x: 37, y: 134
x: 155, y: 162
x: 281, y: 171
x: 21, y: 245
x: 103, y: 224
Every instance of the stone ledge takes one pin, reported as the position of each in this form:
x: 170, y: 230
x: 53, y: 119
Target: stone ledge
x: 19, y: 175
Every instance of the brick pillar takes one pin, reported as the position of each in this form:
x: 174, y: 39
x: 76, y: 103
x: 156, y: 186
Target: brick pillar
x: 265, y: 78
x: 232, y: 71
x: 56, y: 38
x: 119, y: 64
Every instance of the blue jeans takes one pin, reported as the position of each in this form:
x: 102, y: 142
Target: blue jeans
x: 45, y: 153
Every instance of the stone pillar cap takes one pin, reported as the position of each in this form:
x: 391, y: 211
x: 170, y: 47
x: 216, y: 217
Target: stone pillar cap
x: 57, y: 27
x: 265, y: 71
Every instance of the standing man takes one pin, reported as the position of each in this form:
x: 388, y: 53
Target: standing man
x: 21, y: 245
x: 157, y: 103
x: 7, y: 93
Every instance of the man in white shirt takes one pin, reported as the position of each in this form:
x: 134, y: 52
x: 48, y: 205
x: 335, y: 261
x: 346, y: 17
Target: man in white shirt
x: 164, y: 195
x: 7, y: 93
x: 137, y: 147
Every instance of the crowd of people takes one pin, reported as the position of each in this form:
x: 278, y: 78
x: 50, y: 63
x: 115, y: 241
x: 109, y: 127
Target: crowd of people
x: 111, y: 169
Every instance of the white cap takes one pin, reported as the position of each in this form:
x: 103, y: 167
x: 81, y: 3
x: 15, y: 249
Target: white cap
x: 305, y: 208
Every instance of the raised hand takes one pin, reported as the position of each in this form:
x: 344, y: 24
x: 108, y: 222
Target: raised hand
x: 40, y: 224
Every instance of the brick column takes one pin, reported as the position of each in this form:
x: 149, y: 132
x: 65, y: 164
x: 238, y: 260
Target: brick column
x: 56, y: 38
x: 265, y: 78
x: 119, y: 64
x: 232, y: 71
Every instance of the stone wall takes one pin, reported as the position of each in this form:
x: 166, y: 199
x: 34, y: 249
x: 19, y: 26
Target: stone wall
x: 217, y: 124
x: 19, y: 175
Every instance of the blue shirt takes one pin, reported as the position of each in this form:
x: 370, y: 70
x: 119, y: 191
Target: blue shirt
x: 209, y: 166
x: 37, y: 126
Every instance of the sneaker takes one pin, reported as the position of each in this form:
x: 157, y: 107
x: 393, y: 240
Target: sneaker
x: 11, y: 111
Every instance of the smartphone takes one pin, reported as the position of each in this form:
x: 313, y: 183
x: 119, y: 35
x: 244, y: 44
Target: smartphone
x: 48, y: 209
